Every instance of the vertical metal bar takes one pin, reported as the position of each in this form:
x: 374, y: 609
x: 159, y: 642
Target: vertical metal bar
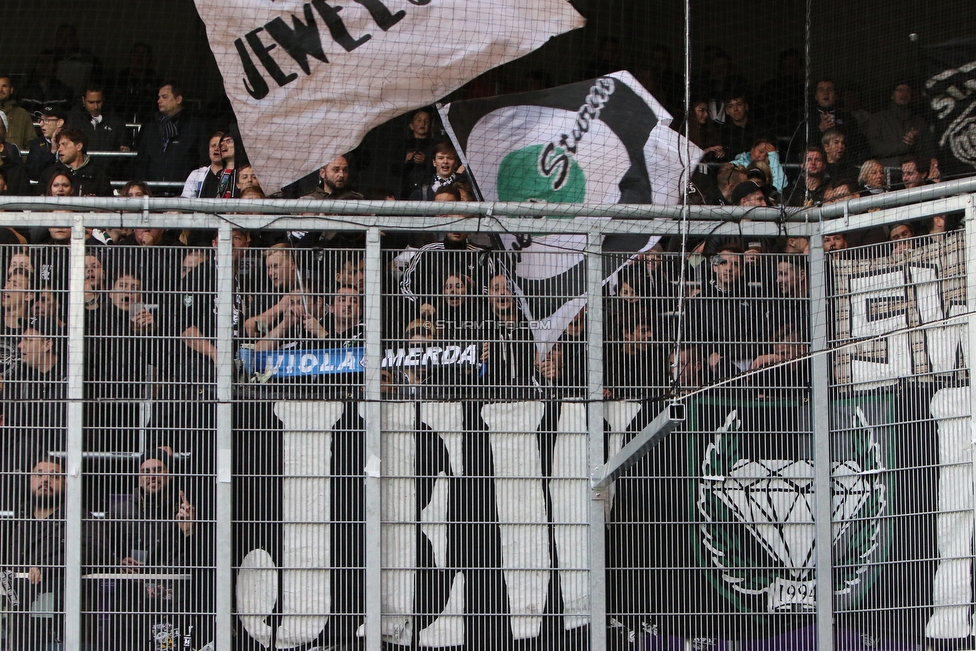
x: 687, y: 97
x: 372, y: 416
x: 225, y: 364
x: 970, y: 232
x: 807, y: 25
x: 687, y: 70
x: 820, y: 394
x: 73, y: 478
x: 594, y: 411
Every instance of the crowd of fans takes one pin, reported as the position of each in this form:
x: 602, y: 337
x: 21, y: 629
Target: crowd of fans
x: 455, y: 323
x: 453, y: 327
x: 845, y: 156
x: 747, y: 131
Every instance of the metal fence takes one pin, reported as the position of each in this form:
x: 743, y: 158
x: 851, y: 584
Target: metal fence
x: 300, y: 431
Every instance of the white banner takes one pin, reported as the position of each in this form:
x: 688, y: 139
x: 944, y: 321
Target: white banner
x: 307, y: 80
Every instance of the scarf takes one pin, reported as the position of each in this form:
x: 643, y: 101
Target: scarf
x: 169, y: 126
x: 439, y: 183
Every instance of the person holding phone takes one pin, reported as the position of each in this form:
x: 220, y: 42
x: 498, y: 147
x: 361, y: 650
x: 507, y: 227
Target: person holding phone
x: 153, y: 536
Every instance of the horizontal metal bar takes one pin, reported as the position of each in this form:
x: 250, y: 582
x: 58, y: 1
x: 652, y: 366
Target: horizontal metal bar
x: 113, y: 154
x: 641, y: 444
x: 136, y: 126
x: 893, y: 215
x: 418, y: 208
x: 245, y: 209
x: 392, y: 221
x: 153, y: 184
x: 122, y: 184
x: 893, y: 199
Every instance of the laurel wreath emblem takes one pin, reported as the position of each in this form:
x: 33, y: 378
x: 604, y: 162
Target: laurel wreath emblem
x: 757, y: 523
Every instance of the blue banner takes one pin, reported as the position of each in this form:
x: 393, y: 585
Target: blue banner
x: 298, y: 363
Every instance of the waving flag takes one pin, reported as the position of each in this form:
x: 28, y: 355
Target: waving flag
x: 307, y: 80
x: 951, y: 68
x: 606, y: 140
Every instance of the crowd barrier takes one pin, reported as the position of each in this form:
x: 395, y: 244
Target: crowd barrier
x: 378, y: 441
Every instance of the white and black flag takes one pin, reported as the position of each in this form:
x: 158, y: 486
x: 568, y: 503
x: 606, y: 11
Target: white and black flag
x: 605, y: 140
x: 308, y: 78
x: 950, y: 87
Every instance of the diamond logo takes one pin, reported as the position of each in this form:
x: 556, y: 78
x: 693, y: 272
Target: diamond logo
x: 772, y: 498
x: 758, y: 516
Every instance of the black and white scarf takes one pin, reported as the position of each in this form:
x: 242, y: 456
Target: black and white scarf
x: 170, y: 127
x: 439, y: 183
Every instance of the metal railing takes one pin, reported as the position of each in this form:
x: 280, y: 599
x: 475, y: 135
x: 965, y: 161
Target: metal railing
x: 353, y: 441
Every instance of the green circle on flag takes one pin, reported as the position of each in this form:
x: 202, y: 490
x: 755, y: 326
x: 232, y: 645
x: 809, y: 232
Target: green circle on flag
x: 521, y: 176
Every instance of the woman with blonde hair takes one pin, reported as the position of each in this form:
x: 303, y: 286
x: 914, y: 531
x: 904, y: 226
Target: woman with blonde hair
x: 872, y: 177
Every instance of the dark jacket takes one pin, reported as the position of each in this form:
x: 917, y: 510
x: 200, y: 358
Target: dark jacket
x: 887, y: 129
x: 159, y: 160
x: 28, y: 543
x: 730, y: 323
x: 425, y: 191
x: 39, y: 158
x: 412, y: 175
x: 14, y: 171
x: 89, y: 179
x: 144, y: 527
x: 109, y: 135
x: 148, y: 523
x: 34, y: 420
x: 853, y: 138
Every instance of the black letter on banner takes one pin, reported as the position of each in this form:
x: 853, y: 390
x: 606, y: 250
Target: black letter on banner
x: 260, y: 86
x: 300, y: 41
x: 548, y: 167
x: 336, y: 27
x: 381, y: 14
x: 262, y: 50
x: 419, y: 3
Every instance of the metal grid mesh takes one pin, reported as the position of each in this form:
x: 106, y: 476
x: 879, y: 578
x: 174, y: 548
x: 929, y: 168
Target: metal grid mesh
x: 34, y: 388
x: 900, y: 375
x: 485, y: 527
x: 148, y: 444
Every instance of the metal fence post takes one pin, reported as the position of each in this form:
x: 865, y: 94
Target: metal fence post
x: 75, y: 420
x: 820, y: 394
x: 595, y: 448
x: 223, y: 633
x: 970, y: 233
x: 373, y: 473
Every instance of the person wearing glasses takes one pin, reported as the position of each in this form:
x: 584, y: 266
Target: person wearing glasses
x: 205, y: 181
x: 43, y: 151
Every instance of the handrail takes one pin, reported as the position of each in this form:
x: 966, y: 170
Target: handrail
x: 489, y: 209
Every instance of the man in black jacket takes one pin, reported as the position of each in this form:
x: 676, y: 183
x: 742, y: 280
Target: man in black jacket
x: 154, y: 536
x: 174, y: 144
x: 825, y: 115
x: 105, y: 131
x: 89, y: 178
x: 33, y: 404
x: 43, y: 151
x: 33, y: 558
